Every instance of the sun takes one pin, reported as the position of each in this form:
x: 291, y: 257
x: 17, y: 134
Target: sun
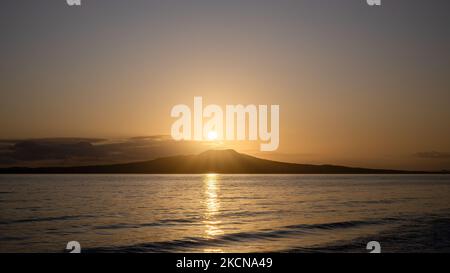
x: 212, y: 135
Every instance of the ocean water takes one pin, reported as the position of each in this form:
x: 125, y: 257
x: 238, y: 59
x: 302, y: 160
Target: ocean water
x: 225, y: 213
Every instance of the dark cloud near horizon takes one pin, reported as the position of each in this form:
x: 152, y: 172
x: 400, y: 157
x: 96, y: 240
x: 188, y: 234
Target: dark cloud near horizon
x: 433, y: 155
x: 84, y: 151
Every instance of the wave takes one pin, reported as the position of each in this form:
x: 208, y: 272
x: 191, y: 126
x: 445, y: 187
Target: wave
x: 164, y: 222
x: 411, y: 234
x: 422, y: 235
x: 189, y: 243
x: 46, y: 219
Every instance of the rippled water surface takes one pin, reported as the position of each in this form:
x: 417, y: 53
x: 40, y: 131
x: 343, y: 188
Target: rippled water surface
x: 224, y: 213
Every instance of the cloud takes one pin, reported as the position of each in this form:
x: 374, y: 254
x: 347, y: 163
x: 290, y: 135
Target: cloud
x: 84, y: 151
x: 433, y: 155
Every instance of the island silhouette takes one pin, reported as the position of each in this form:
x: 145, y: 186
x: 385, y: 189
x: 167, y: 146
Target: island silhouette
x: 212, y: 161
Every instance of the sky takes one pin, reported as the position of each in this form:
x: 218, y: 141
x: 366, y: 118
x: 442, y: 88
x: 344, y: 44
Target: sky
x: 357, y: 85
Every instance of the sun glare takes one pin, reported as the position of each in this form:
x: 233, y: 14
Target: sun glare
x: 212, y: 135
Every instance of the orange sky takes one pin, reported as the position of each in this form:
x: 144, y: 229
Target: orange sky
x: 356, y: 86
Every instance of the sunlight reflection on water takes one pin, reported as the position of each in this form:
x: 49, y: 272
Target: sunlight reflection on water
x: 224, y: 213
x: 212, y: 224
